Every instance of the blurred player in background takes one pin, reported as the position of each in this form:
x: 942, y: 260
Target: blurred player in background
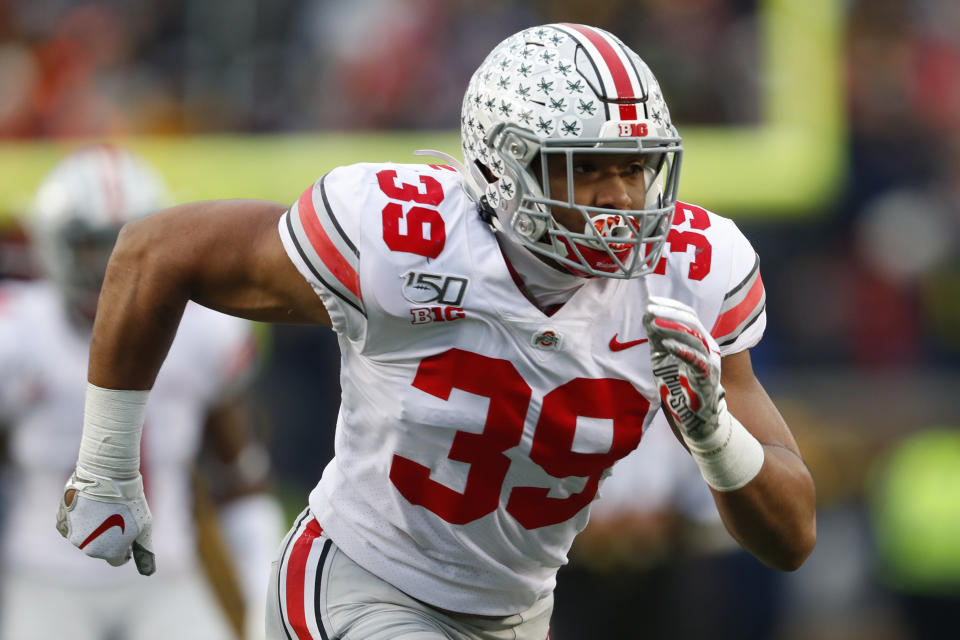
x: 508, y: 330
x: 50, y: 591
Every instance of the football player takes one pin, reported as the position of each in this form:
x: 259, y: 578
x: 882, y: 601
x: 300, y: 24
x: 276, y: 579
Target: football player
x: 49, y: 591
x: 508, y: 328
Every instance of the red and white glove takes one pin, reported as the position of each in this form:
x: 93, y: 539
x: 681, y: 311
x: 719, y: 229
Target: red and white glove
x: 686, y: 369
x: 107, y: 518
x: 687, y: 372
x: 103, y: 510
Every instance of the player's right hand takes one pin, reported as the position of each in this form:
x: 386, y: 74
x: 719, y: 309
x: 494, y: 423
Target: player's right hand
x: 107, y: 518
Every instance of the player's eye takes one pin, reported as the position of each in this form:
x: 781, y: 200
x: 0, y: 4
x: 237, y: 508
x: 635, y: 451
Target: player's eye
x: 584, y: 167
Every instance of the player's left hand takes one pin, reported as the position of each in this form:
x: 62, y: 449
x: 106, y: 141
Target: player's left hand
x: 687, y: 371
x: 107, y: 518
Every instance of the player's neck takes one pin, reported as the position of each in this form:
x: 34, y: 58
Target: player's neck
x: 544, y: 286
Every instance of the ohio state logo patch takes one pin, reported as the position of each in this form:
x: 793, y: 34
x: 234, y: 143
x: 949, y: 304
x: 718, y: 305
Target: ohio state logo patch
x: 546, y: 339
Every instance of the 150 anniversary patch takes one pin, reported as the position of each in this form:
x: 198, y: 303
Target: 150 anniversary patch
x: 420, y: 287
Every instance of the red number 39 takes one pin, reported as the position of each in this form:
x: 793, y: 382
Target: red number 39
x: 552, y: 449
x: 678, y: 241
x: 421, y: 229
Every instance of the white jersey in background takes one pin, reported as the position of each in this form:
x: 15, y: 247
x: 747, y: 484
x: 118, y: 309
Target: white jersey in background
x: 475, y: 430
x: 43, y: 371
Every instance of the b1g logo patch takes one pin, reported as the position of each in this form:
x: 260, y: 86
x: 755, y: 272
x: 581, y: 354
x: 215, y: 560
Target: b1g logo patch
x: 420, y: 287
x: 427, y: 315
x: 632, y: 129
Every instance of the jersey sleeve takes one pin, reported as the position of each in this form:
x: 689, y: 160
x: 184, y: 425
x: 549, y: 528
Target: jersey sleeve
x: 742, y: 317
x: 321, y: 237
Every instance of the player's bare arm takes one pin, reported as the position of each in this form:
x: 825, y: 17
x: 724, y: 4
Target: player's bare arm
x: 226, y: 255
x: 774, y: 515
x: 744, y: 449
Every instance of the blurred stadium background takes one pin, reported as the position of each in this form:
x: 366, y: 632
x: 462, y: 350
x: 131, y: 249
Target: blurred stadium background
x: 829, y: 129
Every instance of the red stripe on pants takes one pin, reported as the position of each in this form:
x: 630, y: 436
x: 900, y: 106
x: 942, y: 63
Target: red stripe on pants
x: 296, y: 577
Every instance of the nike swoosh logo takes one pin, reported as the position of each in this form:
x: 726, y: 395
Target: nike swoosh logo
x: 116, y: 520
x: 620, y: 346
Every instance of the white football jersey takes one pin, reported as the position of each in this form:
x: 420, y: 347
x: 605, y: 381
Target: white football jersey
x: 474, y: 430
x: 43, y: 374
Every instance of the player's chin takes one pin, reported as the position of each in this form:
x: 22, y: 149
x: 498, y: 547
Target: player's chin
x: 596, y: 259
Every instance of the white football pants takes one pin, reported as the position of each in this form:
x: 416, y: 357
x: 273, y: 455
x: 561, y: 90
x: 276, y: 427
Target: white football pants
x: 318, y: 593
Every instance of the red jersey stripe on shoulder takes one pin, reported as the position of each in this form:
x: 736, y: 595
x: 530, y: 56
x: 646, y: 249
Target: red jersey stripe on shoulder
x: 321, y: 243
x: 616, y: 65
x: 111, y: 181
x: 729, y: 320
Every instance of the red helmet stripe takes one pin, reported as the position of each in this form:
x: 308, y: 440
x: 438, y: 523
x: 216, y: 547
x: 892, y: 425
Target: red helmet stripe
x: 111, y: 177
x: 615, y: 64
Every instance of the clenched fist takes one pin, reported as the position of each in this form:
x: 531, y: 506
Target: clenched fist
x: 107, y: 518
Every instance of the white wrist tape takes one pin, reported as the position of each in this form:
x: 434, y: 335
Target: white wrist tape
x: 112, y: 423
x: 730, y: 457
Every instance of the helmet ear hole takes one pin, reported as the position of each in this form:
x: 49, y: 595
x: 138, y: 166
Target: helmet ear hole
x: 485, y: 171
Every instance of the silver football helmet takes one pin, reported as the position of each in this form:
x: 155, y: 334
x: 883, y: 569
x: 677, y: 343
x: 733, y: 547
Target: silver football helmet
x: 560, y: 90
x: 78, y: 211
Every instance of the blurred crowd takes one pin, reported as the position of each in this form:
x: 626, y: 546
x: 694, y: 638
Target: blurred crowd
x: 182, y: 66
x: 862, y: 348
